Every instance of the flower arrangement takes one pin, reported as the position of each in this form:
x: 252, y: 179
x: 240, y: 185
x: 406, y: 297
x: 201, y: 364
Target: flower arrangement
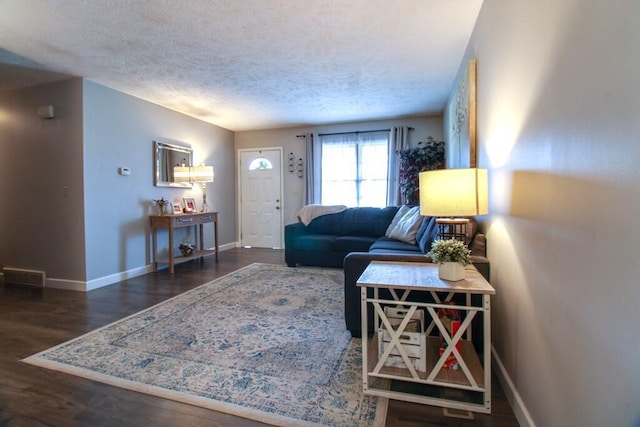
x: 161, y: 203
x: 451, y: 250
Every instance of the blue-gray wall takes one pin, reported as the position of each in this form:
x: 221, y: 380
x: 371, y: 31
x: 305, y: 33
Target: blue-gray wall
x: 118, y: 131
x: 68, y: 210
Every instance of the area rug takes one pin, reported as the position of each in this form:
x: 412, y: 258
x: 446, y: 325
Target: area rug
x: 266, y: 342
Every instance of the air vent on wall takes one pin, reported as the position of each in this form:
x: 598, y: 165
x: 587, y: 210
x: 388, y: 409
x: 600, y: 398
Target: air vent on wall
x: 17, y: 276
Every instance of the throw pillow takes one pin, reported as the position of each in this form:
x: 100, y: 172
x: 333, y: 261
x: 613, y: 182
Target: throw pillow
x: 402, y: 211
x: 407, y: 228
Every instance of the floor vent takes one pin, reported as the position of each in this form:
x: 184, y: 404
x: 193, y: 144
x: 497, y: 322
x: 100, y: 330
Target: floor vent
x: 17, y: 276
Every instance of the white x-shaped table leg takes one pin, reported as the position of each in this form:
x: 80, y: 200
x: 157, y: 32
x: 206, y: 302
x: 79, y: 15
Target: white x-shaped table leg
x: 395, y: 339
x: 451, y: 346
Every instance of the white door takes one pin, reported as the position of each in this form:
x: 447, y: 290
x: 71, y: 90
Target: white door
x: 261, y: 198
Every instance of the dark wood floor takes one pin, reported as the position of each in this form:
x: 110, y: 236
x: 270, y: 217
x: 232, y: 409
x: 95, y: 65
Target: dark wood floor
x: 32, y: 320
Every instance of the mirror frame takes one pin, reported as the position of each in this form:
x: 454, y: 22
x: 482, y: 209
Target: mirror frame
x: 157, y: 148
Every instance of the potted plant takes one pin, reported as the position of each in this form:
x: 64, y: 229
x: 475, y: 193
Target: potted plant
x: 451, y: 256
x: 426, y: 156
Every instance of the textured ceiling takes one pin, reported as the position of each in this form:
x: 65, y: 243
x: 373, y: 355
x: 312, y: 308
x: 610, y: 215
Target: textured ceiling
x: 252, y: 64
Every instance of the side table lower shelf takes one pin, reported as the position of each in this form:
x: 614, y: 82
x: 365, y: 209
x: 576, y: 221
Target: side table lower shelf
x: 453, y: 378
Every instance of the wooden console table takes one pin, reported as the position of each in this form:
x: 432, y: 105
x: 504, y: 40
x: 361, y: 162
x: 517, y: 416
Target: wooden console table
x: 171, y: 222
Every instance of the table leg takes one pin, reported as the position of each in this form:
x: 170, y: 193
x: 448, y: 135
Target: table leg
x: 171, y: 266
x: 154, y: 245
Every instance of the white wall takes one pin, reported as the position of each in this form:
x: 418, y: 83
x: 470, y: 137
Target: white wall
x: 119, y: 130
x: 558, y: 108
x: 424, y: 126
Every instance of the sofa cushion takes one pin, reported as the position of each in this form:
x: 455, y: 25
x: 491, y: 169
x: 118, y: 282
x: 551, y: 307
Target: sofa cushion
x: 407, y: 228
x: 387, y: 244
x: 352, y: 243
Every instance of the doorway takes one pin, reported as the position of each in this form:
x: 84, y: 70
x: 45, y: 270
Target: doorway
x: 261, y: 219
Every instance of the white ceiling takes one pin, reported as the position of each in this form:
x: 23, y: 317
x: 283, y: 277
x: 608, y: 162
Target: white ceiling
x: 252, y: 64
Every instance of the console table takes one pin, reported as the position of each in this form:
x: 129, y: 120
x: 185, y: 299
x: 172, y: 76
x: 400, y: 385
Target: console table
x: 171, y: 222
x: 402, y: 279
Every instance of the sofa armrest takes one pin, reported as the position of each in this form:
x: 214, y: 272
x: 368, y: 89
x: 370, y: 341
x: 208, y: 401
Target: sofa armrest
x: 291, y: 233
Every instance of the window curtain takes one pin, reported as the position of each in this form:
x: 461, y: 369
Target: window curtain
x: 398, y: 141
x: 313, y: 170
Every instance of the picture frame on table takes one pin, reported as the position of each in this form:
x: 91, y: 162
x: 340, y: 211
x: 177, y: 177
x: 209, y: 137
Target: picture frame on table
x: 189, y: 204
x: 460, y: 128
x: 176, y: 208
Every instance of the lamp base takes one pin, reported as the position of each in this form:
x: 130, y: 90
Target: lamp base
x: 452, y: 228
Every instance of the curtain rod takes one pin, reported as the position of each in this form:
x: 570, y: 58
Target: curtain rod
x: 356, y: 132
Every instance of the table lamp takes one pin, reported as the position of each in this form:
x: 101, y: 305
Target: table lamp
x: 181, y: 174
x: 202, y: 174
x: 451, y: 194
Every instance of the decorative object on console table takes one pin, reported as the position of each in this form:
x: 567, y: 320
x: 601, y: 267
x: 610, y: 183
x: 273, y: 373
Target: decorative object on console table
x: 203, y: 174
x: 451, y: 256
x: 161, y: 205
x: 176, y: 208
x: 451, y: 193
x: 189, y: 204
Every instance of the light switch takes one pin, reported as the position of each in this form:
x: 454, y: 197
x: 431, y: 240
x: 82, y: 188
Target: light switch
x: 124, y: 171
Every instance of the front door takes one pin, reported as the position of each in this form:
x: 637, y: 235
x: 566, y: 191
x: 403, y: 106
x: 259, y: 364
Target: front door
x: 261, y: 197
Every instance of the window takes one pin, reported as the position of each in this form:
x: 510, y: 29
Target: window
x: 354, y: 169
x: 260, y: 164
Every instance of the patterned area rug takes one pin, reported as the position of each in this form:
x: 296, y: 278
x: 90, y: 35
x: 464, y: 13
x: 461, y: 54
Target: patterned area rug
x: 266, y: 342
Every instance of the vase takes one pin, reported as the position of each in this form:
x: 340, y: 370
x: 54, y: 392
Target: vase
x: 452, y: 271
x: 161, y: 209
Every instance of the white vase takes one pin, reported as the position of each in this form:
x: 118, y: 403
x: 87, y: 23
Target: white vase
x: 452, y: 271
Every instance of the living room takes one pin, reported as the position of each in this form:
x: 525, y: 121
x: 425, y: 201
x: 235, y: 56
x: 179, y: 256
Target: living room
x: 556, y: 106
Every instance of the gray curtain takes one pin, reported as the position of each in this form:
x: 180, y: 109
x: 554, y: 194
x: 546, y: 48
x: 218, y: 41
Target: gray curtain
x: 398, y: 141
x: 312, y: 189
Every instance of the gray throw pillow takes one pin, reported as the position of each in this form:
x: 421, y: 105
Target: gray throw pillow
x: 402, y: 211
x: 407, y: 228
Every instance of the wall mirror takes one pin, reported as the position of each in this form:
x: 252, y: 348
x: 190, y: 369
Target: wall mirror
x: 168, y: 159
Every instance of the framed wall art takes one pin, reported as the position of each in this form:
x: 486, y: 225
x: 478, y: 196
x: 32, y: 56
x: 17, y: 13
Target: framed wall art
x: 461, y: 123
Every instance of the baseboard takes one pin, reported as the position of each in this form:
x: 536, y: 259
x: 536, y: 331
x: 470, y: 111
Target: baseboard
x: 79, y: 285
x: 513, y: 397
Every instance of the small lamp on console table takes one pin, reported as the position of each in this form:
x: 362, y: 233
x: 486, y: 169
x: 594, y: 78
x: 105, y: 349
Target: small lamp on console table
x: 202, y: 174
x: 450, y: 195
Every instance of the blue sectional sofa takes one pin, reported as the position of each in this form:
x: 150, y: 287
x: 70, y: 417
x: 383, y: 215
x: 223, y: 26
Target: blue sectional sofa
x: 328, y: 239
x: 351, y: 239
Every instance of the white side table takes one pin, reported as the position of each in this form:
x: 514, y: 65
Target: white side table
x: 402, y: 279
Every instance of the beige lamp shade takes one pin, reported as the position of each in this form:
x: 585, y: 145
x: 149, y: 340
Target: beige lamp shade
x: 202, y: 174
x: 181, y: 174
x: 454, y: 192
